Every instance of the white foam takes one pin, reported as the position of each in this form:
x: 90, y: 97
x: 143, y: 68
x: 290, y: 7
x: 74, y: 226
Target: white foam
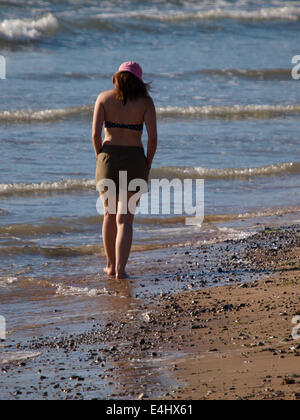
x: 28, y: 29
x: 288, y: 13
x: 264, y: 14
x: 229, y: 111
x: 162, y: 172
x: 225, y: 173
x: 64, y: 185
x: 7, y: 280
x: 80, y: 291
x: 207, y: 111
x: 30, y: 115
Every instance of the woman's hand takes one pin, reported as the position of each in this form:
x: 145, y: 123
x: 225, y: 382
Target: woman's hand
x: 151, y: 125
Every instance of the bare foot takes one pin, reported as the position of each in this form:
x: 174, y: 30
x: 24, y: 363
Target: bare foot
x: 110, y: 271
x: 122, y: 275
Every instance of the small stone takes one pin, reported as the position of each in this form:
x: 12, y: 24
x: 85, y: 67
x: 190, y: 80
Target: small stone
x: 18, y: 393
x: 243, y: 286
x: 288, y: 381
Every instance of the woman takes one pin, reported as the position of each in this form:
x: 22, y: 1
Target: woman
x: 123, y: 110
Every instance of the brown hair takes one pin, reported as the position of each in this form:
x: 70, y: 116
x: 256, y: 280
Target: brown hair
x: 130, y: 87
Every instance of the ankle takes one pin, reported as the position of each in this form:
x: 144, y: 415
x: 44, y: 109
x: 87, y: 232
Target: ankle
x: 120, y: 268
x: 110, y: 264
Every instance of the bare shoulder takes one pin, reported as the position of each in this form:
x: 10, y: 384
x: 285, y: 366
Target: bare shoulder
x: 149, y: 103
x: 105, y: 96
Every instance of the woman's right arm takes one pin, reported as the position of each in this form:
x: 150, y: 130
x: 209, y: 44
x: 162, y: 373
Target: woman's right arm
x: 151, y: 125
x: 98, y: 121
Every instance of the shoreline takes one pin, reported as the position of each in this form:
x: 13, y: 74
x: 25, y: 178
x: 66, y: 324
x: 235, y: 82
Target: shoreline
x: 219, y: 342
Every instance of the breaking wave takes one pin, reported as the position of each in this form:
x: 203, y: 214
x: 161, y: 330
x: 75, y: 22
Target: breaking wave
x: 26, y: 30
x: 169, y: 172
x: 34, y: 29
x: 226, y: 173
x: 46, y: 187
x: 263, y: 14
x: 235, y: 112
x: 45, y: 115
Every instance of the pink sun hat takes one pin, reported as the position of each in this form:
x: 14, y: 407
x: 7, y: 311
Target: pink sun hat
x: 133, y: 68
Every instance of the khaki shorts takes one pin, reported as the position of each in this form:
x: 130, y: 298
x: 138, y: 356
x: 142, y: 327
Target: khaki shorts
x: 113, y: 159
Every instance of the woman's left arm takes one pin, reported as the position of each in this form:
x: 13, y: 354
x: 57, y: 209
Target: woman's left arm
x: 98, y: 121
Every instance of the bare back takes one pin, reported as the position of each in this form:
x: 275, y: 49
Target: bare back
x: 114, y: 111
x: 110, y: 109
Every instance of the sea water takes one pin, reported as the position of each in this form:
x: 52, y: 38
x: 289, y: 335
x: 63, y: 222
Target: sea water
x: 228, y: 112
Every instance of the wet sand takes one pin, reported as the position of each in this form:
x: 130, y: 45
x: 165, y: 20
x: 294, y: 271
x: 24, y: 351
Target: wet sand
x: 228, y: 342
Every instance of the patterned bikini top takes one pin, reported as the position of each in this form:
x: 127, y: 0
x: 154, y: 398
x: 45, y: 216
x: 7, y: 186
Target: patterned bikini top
x: 135, y: 127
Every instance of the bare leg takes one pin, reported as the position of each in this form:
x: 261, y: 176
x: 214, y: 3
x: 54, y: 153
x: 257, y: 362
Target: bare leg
x: 123, y: 243
x: 123, y: 240
x: 109, y: 234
